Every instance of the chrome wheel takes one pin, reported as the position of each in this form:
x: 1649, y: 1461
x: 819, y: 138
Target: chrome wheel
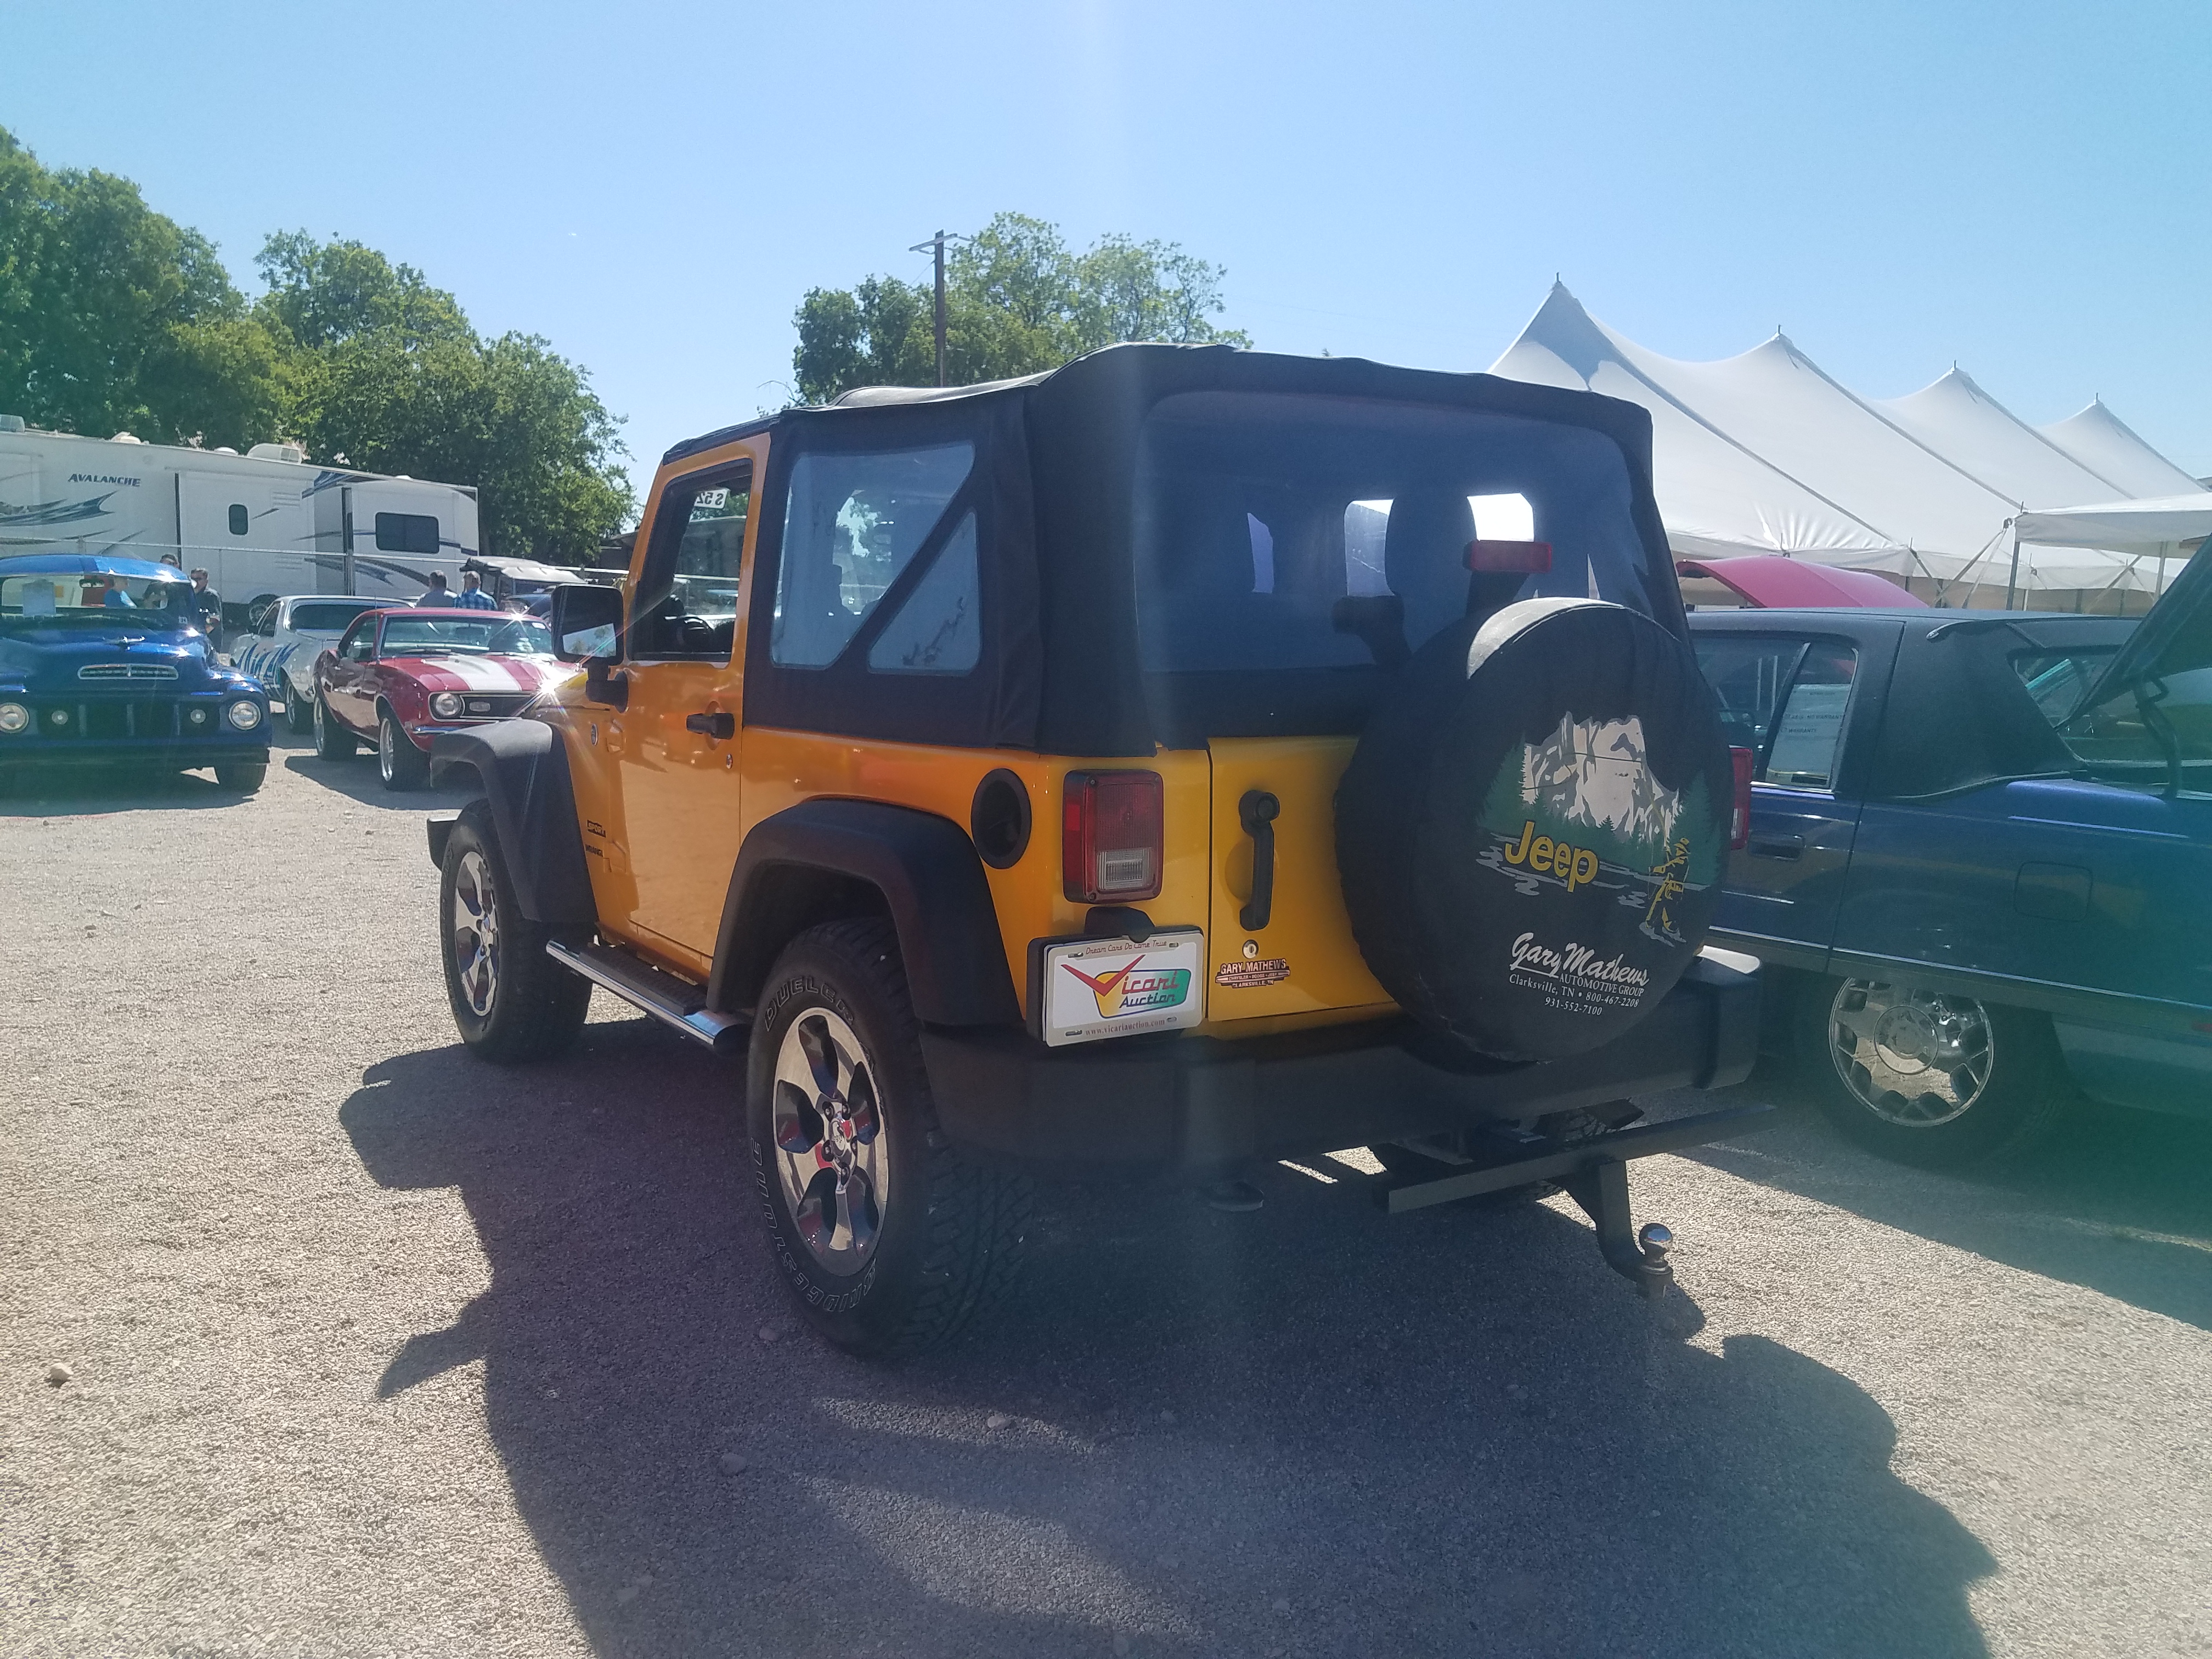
x: 1912, y: 1058
x: 832, y: 1156
x: 472, y: 933
x: 387, y: 754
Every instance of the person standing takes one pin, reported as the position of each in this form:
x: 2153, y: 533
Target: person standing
x: 435, y: 596
x: 472, y: 596
x: 207, y: 603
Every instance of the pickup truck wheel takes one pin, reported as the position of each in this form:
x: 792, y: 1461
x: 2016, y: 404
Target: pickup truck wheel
x: 244, y: 776
x: 1929, y: 1078
x: 333, y: 740
x: 889, y: 1238
x: 512, y: 1002
x: 398, y: 761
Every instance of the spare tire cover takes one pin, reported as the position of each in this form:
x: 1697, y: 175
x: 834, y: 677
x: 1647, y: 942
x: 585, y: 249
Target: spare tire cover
x: 1532, y: 833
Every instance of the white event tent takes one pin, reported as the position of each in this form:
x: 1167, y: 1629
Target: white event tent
x: 1764, y: 452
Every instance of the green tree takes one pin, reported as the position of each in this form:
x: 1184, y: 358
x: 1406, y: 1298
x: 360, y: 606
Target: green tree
x: 115, y: 318
x: 1018, y: 300
x: 385, y: 373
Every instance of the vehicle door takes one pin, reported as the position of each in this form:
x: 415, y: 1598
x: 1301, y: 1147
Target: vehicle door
x: 671, y: 753
x: 352, y: 693
x: 2050, y: 892
x: 1793, y: 696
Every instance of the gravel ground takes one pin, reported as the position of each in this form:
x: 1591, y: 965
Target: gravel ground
x: 374, y: 1350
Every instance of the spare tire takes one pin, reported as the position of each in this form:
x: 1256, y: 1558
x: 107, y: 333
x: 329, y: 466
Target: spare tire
x: 1534, y: 830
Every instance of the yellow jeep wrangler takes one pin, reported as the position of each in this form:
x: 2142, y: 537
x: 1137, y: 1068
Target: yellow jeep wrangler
x: 1186, y: 758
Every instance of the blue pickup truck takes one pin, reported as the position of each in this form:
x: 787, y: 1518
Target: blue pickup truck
x: 103, y: 662
x: 1980, y: 860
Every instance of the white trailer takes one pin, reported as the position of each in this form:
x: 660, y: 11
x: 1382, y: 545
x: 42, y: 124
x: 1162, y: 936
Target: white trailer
x: 266, y: 522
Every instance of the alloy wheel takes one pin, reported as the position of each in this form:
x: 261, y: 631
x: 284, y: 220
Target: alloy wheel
x: 833, y: 1158
x: 1912, y: 1058
x: 387, y: 761
x: 473, y: 933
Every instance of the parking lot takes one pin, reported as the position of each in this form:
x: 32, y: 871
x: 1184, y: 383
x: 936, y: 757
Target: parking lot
x: 371, y: 1349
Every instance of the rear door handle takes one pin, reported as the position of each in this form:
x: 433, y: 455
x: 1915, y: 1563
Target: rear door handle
x: 1776, y: 847
x: 720, y: 723
x: 1257, y: 812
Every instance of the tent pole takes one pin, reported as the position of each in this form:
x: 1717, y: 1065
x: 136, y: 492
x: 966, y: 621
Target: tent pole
x: 2012, y: 583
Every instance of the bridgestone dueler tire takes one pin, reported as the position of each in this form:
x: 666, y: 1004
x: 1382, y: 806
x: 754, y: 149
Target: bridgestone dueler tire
x: 537, y: 1007
x: 952, y: 1234
x: 1532, y: 832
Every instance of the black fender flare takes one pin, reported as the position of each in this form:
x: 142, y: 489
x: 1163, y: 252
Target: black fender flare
x: 931, y: 880
x: 522, y: 767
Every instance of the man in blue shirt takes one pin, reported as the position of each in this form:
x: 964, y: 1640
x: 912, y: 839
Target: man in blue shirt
x: 472, y: 596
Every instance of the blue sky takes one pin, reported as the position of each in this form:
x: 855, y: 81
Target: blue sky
x: 2026, y: 188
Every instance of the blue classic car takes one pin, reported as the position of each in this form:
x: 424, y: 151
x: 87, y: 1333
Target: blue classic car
x: 1980, y: 860
x: 102, y: 662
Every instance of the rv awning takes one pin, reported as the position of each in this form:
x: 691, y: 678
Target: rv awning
x: 2167, y: 526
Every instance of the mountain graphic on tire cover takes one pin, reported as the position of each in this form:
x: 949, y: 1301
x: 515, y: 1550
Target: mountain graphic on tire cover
x: 1587, y: 786
x: 1529, y: 835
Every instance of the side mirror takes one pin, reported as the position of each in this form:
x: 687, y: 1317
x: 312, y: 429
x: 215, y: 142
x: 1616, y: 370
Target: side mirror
x: 587, y: 624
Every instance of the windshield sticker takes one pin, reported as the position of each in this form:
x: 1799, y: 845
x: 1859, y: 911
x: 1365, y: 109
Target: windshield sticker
x: 1582, y: 809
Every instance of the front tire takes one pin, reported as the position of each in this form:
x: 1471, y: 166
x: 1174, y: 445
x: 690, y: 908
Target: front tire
x: 1928, y: 1079
x: 398, y: 761
x: 332, y: 741
x: 244, y: 776
x: 511, y: 1001
x: 889, y: 1239
x: 299, y: 712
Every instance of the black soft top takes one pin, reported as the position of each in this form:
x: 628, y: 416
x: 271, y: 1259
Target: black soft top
x: 1059, y: 453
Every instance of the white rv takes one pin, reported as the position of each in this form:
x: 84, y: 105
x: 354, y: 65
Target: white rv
x: 264, y: 523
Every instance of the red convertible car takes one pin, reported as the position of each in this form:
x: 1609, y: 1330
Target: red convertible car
x: 397, y: 679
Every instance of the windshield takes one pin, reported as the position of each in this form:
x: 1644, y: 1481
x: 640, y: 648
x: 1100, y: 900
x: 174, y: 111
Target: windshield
x: 1305, y: 532
x: 512, y: 637
x: 49, y: 600
x: 327, y: 616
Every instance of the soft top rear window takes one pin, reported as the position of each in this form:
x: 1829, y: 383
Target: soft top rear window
x: 1258, y: 514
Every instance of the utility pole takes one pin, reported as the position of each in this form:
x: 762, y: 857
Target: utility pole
x: 936, y: 245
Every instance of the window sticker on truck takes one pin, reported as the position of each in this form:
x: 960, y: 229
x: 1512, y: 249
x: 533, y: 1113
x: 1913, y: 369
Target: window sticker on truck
x: 1102, y: 987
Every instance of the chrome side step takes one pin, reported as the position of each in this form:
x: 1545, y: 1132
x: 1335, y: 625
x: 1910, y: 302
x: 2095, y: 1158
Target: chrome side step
x: 674, y: 1002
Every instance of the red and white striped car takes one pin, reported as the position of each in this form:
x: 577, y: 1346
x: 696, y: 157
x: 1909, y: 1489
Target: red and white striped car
x: 398, y: 678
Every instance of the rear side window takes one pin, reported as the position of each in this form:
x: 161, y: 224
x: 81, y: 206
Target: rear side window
x: 239, y: 524
x: 853, y: 522
x: 396, y: 532
x: 1783, y: 698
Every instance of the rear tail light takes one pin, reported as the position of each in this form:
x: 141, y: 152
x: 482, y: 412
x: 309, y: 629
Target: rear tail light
x: 1110, y: 838
x: 1489, y: 558
x: 1740, y: 816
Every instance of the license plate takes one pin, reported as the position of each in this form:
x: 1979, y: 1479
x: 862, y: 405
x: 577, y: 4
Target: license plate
x: 1110, y: 988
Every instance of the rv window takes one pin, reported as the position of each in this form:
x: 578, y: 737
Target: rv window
x: 406, y: 532
x: 238, y: 517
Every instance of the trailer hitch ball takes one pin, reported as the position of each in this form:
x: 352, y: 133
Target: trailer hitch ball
x: 1655, y: 1238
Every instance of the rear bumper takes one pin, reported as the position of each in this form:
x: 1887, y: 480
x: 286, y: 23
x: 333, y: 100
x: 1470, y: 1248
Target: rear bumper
x: 1193, y: 1105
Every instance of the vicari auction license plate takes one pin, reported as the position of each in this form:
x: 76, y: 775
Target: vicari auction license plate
x: 1106, y: 987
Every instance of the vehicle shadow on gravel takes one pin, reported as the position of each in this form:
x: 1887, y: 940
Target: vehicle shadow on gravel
x: 65, y: 791
x: 2119, y: 1202
x: 358, y: 780
x: 1308, y: 1430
